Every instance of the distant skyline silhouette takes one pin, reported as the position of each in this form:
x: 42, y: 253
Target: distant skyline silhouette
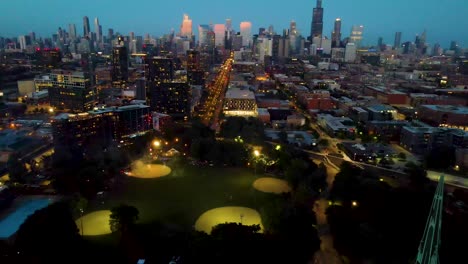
x: 444, y: 21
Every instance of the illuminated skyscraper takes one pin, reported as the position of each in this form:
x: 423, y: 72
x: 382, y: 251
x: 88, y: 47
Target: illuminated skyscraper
x: 220, y: 33
x: 186, y: 27
x: 246, y: 33
x: 336, y: 35
x: 356, y: 35
x: 317, y: 21
x: 119, y: 63
x: 86, y: 26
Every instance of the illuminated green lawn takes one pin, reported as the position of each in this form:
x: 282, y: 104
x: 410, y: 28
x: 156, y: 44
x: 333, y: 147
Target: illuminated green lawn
x: 180, y: 198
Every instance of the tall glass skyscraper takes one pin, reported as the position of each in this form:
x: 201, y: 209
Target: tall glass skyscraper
x: 317, y: 21
x: 86, y: 26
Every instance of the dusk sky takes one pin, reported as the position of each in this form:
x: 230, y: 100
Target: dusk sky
x: 443, y: 20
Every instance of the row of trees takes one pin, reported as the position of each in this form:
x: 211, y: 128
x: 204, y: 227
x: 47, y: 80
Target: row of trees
x: 370, y: 221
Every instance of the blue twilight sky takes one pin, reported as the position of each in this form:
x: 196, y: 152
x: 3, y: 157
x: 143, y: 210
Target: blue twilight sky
x: 444, y: 20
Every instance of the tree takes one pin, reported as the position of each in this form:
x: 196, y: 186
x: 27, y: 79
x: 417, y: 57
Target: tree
x: 50, y: 234
x: 123, y: 217
x: 16, y: 168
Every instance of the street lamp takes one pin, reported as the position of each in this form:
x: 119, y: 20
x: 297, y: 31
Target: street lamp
x: 156, y: 143
x: 81, y: 221
x: 256, y: 154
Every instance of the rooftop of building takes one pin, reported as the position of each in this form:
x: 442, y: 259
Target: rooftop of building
x: 381, y: 108
x: 461, y: 110
x: 237, y: 93
x: 384, y: 90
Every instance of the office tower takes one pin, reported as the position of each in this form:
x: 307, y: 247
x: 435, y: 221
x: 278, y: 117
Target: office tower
x: 220, y: 33
x: 86, y: 27
x: 336, y: 34
x: 237, y: 42
x: 119, y: 63
x: 453, y: 45
x: 23, y: 42
x: 317, y: 21
x: 72, y: 31
x: 271, y: 30
x: 379, y: 43
x: 397, y: 43
x: 68, y: 90
x: 283, y: 47
x: 203, y: 35
x: 229, y: 25
x: 356, y: 35
x: 97, y: 29
x: 131, y: 35
x: 437, y: 50
x: 110, y: 34
x: 261, y: 31
x: 350, y: 52
x: 32, y: 35
x: 293, y: 37
x: 186, y: 27
x: 246, y: 33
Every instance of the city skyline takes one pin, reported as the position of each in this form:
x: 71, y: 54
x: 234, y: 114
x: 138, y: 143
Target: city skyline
x: 381, y: 20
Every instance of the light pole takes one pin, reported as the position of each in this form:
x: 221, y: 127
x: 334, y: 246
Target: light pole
x: 256, y: 154
x: 81, y: 221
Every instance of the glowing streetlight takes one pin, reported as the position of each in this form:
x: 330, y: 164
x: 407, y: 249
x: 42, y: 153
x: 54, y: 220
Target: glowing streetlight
x: 257, y: 153
x: 156, y: 143
x: 51, y: 110
x: 354, y: 203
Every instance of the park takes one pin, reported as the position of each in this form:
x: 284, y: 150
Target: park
x: 199, y: 198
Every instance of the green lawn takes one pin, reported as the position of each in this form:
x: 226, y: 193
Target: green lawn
x: 180, y: 198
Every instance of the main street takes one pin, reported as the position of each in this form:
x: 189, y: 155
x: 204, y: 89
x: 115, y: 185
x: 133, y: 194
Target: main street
x: 217, y: 90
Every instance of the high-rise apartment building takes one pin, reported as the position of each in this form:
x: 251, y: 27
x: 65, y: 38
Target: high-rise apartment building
x: 119, y: 63
x: 86, y: 31
x: 336, y: 34
x: 317, y: 21
x: 68, y: 90
x: 246, y: 33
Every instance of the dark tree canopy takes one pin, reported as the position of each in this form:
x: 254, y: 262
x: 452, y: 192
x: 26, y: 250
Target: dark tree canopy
x: 50, y: 234
x: 123, y: 217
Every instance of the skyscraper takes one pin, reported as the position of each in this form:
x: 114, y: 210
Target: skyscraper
x: 86, y: 27
x: 246, y: 33
x: 356, y: 35
x: 220, y: 33
x: 119, y: 63
x: 72, y: 31
x: 228, y: 25
x: 97, y: 29
x: 186, y: 27
x: 336, y: 34
x: 317, y: 21
x: 397, y: 42
x: 203, y: 35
